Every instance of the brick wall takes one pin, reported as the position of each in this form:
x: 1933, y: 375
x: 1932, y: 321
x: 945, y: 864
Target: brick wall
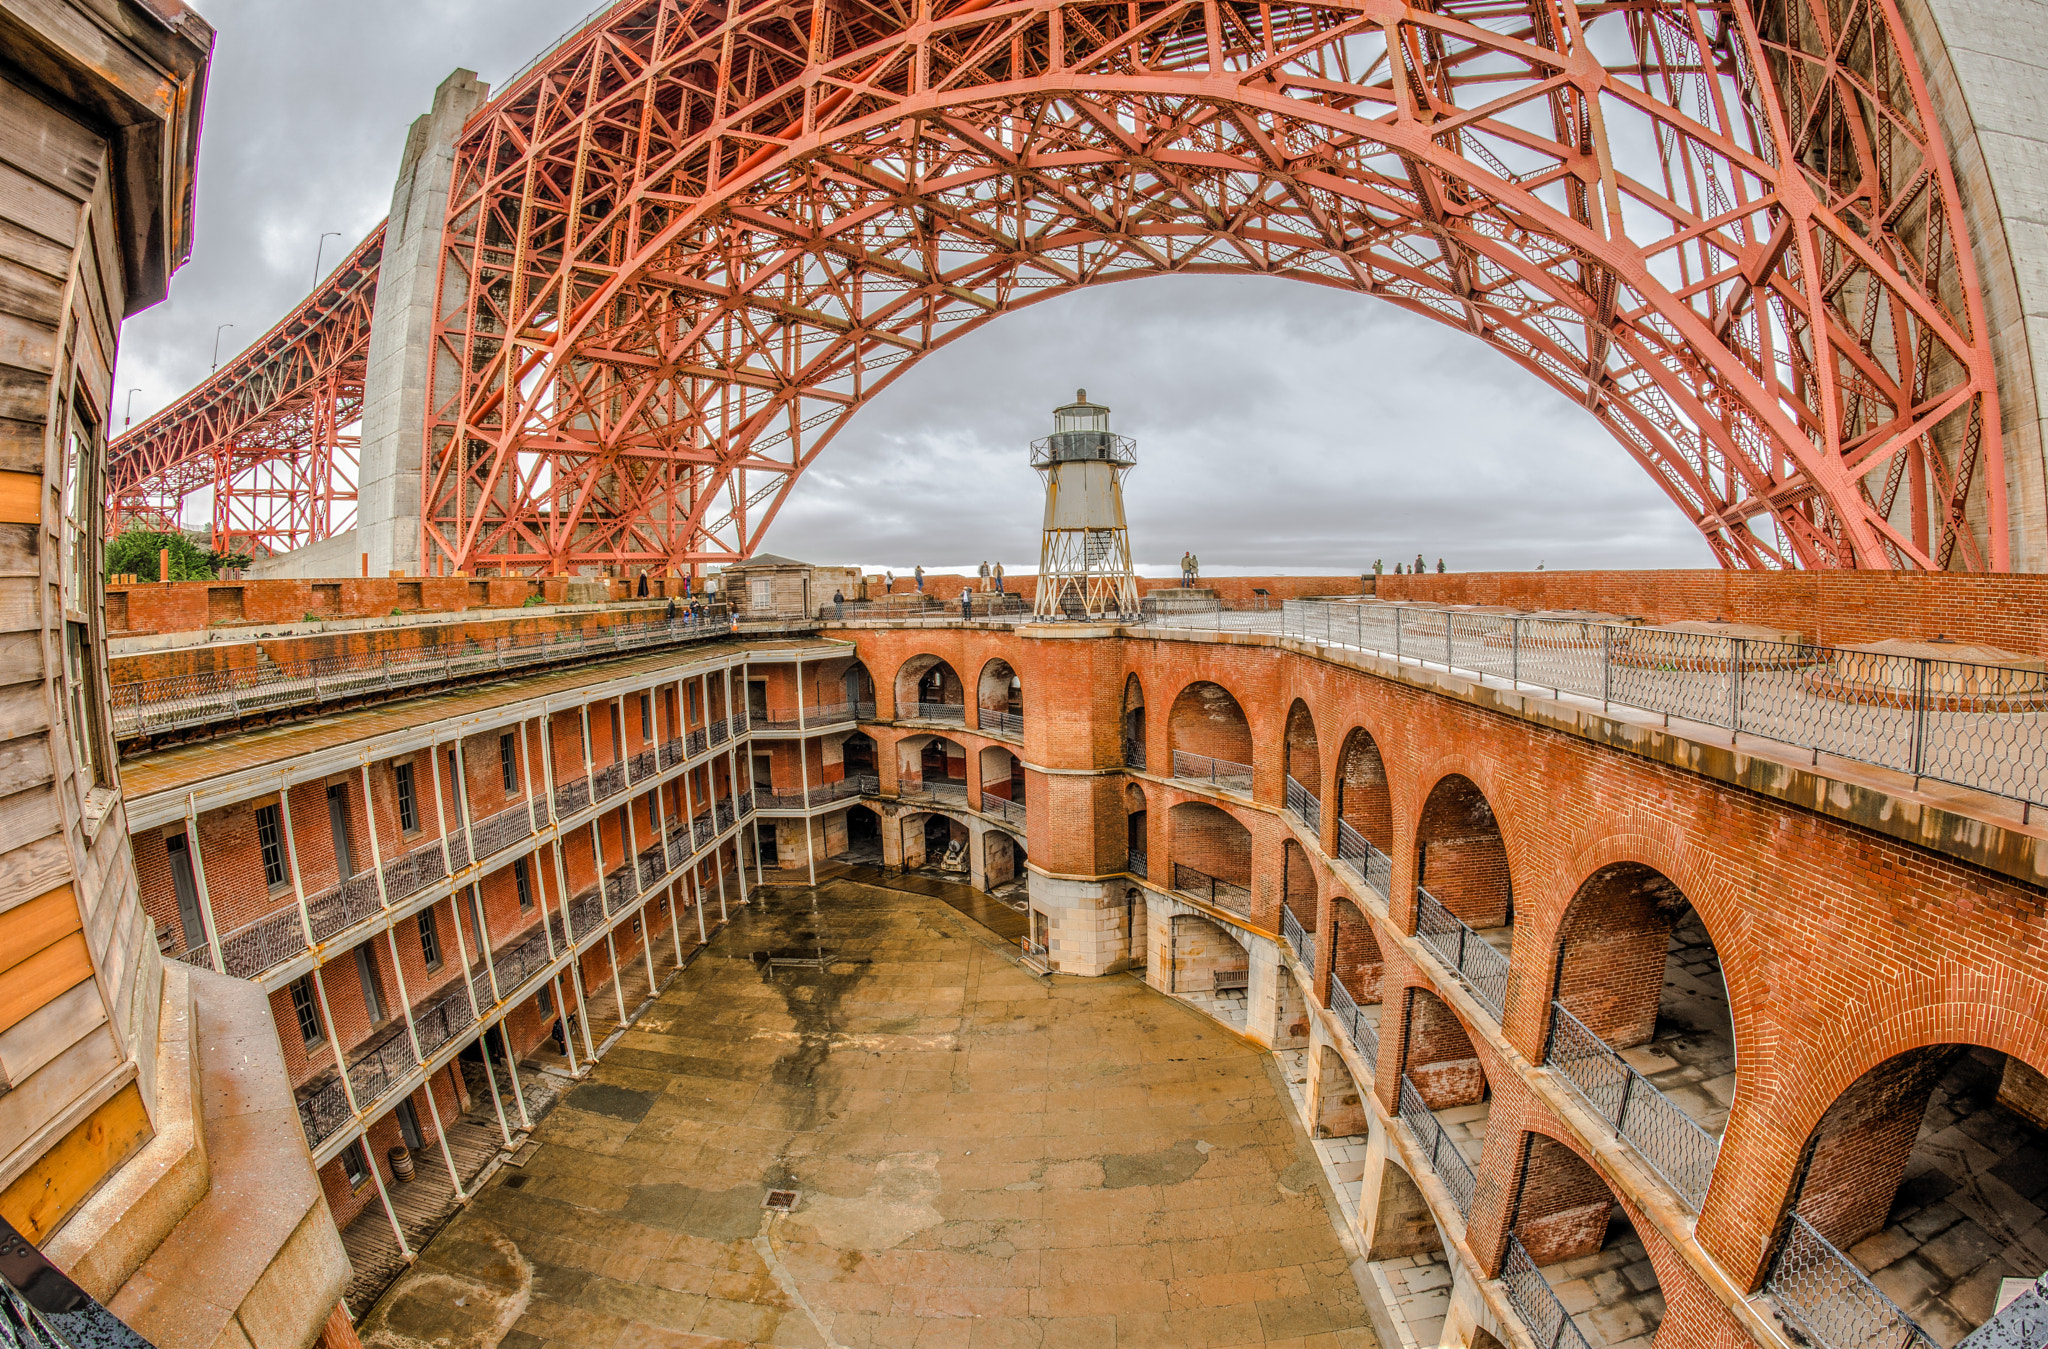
x: 1615, y: 938
x: 1298, y: 884
x: 1564, y: 1206
x: 1860, y: 1147
x: 1212, y: 841
x: 1363, y: 799
x: 1207, y: 720
x: 1437, y: 1054
x: 1836, y: 607
x: 1464, y: 861
x: 1355, y: 956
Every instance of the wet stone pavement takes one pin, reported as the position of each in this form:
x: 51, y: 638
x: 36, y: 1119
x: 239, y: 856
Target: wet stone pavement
x: 980, y: 1157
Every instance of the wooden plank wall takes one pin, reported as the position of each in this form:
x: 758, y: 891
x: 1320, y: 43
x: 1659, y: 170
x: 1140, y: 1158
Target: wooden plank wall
x: 79, y: 982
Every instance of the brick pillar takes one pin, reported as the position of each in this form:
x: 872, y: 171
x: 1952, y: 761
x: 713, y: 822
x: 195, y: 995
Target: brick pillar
x: 1074, y: 792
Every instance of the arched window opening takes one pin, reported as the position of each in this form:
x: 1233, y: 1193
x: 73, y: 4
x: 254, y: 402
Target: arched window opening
x: 1211, y: 739
x: 1304, y: 768
x: 1002, y: 784
x: 858, y: 687
x: 928, y: 689
x: 1355, y: 969
x: 1464, y: 900
x: 1298, y: 902
x: 1641, y: 1022
x: 1136, y: 822
x: 1924, y: 1179
x: 1134, y: 724
x: 935, y: 843
x: 1365, y: 812
x: 1212, y: 856
x: 1571, y: 1246
x: 931, y: 766
x: 1444, y: 1097
x: 999, y: 699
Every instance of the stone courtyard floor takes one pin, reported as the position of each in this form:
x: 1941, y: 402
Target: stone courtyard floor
x: 980, y: 1157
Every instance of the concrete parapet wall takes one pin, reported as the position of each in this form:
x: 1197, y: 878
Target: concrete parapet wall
x: 1834, y: 607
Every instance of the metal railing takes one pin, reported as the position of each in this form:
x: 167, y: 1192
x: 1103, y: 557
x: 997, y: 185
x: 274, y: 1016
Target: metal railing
x: 254, y: 948
x: 1536, y: 1302
x: 1365, y: 1038
x: 1464, y: 952
x: 1220, y: 773
x: 1663, y: 1135
x: 946, y: 789
x: 1002, y: 721
x: 1300, y: 938
x: 855, y: 785
x: 1304, y: 805
x: 41, y: 1308
x: 1444, y: 1158
x: 1219, y: 893
x: 1368, y: 863
x: 1832, y: 1303
x: 822, y: 714
x: 507, y: 827
x: 608, y: 781
x: 153, y: 706
x: 1954, y: 721
x: 955, y: 713
x: 1134, y: 862
x: 1002, y: 807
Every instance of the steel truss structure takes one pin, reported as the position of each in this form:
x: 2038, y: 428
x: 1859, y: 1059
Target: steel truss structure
x: 271, y: 433
x: 687, y: 246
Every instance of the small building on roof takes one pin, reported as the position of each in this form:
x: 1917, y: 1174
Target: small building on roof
x: 768, y: 585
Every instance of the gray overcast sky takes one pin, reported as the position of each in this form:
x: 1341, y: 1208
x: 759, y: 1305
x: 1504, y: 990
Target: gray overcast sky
x: 1280, y: 427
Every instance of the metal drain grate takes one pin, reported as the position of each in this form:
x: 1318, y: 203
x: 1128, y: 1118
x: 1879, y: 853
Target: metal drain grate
x: 782, y: 1201
x: 516, y: 1182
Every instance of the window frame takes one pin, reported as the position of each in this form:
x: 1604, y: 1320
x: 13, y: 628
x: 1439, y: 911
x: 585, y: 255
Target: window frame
x: 431, y: 954
x: 508, y: 763
x: 306, y: 1008
x: 408, y: 797
x: 270, y: 822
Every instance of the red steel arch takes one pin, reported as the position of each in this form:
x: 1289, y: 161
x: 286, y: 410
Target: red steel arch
x: 268, y: 432
x: 684, y: 248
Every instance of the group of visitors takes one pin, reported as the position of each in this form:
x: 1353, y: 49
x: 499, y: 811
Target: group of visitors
x: 1400, y: 569
x: 1190, y: 570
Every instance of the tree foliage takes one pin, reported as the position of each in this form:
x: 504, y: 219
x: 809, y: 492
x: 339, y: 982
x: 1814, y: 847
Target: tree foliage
x: 137, y: 551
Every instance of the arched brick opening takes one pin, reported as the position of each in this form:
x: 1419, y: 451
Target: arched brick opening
x: 858, y: 686
x: 1298, y: 884
x: 1212, y: 855
x: 928, y: 839
x: 931, y: 763
x: 858, y: 752
x: 1207, y: 965
x: 1637, y: 970
x: 1437, y: 1056
x: 1363, y: 800
x: 1929, y: 1173
x: 1564, y: 1215
x: 926, y: 685
x: 1002, y: 776
x: 1339, y: 1100
x: 863, y: 835
x: 1136, y: 821
x: 1304, y: 762
x: 1355, y: 959
x: 1460, y: 857
x: 999, y: 690
x: 1134, y: 723
x: 1210, y: 737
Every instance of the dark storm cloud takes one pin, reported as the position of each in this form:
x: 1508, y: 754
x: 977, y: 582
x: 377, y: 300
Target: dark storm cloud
x: 1280, y: 426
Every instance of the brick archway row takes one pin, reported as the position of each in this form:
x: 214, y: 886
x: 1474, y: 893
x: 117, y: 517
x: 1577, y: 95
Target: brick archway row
x: 1832, y: 965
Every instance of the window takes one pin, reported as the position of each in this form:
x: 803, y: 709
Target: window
x: 366, y: 971
x: 508, y: 763
x: 461, y: 797
x: 78, y: 568
x: 306, y: 1010
x: 337, y: 827
x: 270, y: 841
x: 757, y: 597
x: 524, y: 881
x: 408, y: 804
x: 646, y: 717
x: 430, y: 940
x: 356, y: 1163
x: 547, y: 1000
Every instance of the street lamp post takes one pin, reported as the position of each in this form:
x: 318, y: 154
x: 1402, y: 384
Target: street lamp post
x: 216, y: 343
x: 321, y: 252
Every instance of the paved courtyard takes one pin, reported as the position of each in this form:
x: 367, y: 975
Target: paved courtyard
x: 980, y: 1158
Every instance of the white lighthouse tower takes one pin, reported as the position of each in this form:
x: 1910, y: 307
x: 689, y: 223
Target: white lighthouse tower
x: 1084, y: 559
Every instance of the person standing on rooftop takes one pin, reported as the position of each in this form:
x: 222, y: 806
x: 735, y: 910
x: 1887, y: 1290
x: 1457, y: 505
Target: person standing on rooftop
x: 984, y: 574
x: 920, y: 578
x: 999, y: 578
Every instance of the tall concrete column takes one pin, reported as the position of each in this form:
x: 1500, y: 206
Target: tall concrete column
x: 401, y: 332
